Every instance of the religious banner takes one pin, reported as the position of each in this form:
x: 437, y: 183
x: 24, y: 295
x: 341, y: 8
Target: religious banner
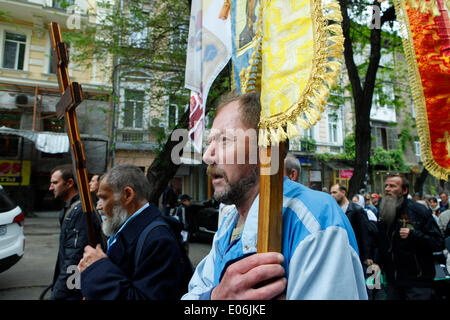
x: 291, y: 52
x: 209, y: 50
x: 244, y: 15
x: 426, y: 42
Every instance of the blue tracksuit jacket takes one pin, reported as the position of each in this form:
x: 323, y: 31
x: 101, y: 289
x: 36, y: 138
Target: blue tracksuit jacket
x: 319, y: 247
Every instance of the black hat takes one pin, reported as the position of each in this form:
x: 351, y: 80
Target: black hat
x: 184, y: 197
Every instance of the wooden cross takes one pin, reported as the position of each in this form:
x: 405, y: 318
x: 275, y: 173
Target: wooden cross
x: 71, y: 97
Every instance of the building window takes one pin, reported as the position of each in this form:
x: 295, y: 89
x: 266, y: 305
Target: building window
x: 385, y: 138
x: 14, y: 51
x: 138, y: 37
x: 50, y: 64
x: 178, y: 37
x: 54, y: 124
x: 308, y: 133
x: 132, y: 136
x: 9, y: 145
x: 50, y: 56
x: 333, y: 128
x: 62, y: 4
x: 417, y: 150
x: 133, y: 113
x: 139, y: 30
x: 172, y: 115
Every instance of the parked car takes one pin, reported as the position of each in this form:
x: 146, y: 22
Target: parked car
x: 203, y: 219
x: 12, y: 239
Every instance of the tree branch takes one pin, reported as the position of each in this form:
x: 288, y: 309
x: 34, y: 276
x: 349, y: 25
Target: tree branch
x: 348, y: 54
x: 388, y: 16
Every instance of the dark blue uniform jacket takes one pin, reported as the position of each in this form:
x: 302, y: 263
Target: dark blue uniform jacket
x: 158, y: 274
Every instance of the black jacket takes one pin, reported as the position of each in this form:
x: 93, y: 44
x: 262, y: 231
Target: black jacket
x: 410, y: 261
x: 159, y: 275
x: 360, y: 224
x: 72, y: 240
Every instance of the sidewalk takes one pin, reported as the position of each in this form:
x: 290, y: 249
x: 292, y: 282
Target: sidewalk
x: 27, y: 278
x: 45, y: 214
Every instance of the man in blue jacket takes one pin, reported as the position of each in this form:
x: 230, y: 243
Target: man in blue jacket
x: 157, y: 272
x: 319, y: 258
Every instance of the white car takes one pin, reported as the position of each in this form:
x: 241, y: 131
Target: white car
x: 12, y: 240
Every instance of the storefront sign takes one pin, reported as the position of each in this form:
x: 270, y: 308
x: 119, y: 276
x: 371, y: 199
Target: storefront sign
x: 346, y: 173
x: 15, y: 172
x: 316, y: 175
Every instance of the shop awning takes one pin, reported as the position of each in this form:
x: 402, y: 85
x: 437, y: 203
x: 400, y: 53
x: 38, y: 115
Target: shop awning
x: 48, y: 142
x: 338, y: 165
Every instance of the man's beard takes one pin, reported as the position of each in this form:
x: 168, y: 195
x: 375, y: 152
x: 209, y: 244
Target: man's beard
x: 388, y: 209
x: 234, y: 193
x: 112, y: 224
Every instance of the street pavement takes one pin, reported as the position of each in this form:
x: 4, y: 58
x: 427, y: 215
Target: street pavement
x: 34, y: 272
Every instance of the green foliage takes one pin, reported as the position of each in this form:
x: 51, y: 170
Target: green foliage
x: 405, y: 138
x: 349, y: 150
x: 141, y: 42
x: 349, y: 146
x: 5, y: 16
x: 392, y: 159
x: 142, y: 35
x: 308, y: 144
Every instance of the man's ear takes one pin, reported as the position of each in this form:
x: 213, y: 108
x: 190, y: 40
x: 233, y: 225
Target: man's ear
x: 295, y: 174
x: 128, y: 195
x: 405, y: 191
x: 70, y: 183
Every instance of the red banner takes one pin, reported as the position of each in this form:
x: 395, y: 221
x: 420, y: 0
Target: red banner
x: 427, y: 51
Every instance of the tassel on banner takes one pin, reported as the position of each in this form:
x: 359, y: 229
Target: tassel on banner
x: 332, y: 6
x: 274, y: 137
x: 263, y: 137
x: 312, y: 115
x: 291, y: 130
x: 281, y: 134
x: 334, y: 28
x: 302, y: 123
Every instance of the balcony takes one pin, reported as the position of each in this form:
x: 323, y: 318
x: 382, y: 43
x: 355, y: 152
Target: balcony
x: 38, y: 13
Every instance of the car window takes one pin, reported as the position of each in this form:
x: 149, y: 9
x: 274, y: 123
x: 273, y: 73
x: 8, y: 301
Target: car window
x: 6, y: 203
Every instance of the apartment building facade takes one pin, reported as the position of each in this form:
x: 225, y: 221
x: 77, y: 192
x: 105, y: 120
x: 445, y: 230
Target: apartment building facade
x: 31, y: 137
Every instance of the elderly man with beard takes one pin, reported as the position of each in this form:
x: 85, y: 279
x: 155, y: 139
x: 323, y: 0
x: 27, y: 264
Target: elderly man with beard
x: 408, y: 236
x: 158, y: 272
x: 319, y: 258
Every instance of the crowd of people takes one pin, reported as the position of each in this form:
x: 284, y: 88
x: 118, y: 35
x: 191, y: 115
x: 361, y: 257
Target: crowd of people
x: 329, y: 243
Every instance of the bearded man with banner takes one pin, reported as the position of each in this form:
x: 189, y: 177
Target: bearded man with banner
x: 294, y: 47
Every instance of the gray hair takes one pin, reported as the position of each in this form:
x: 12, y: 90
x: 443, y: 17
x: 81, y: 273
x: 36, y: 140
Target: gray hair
x: 291, y: 163
x: 128, y: 175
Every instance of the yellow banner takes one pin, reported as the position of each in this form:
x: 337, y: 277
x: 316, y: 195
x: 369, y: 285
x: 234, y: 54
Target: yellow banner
x: 15, y: 172
x: 295, y: 63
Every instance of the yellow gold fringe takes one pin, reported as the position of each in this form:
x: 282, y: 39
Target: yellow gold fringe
x: 252, y: 79
x: 328, y: 46
x: 418, y: 96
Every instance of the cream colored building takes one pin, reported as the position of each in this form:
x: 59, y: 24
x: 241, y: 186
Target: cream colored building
x: 29, y: 93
